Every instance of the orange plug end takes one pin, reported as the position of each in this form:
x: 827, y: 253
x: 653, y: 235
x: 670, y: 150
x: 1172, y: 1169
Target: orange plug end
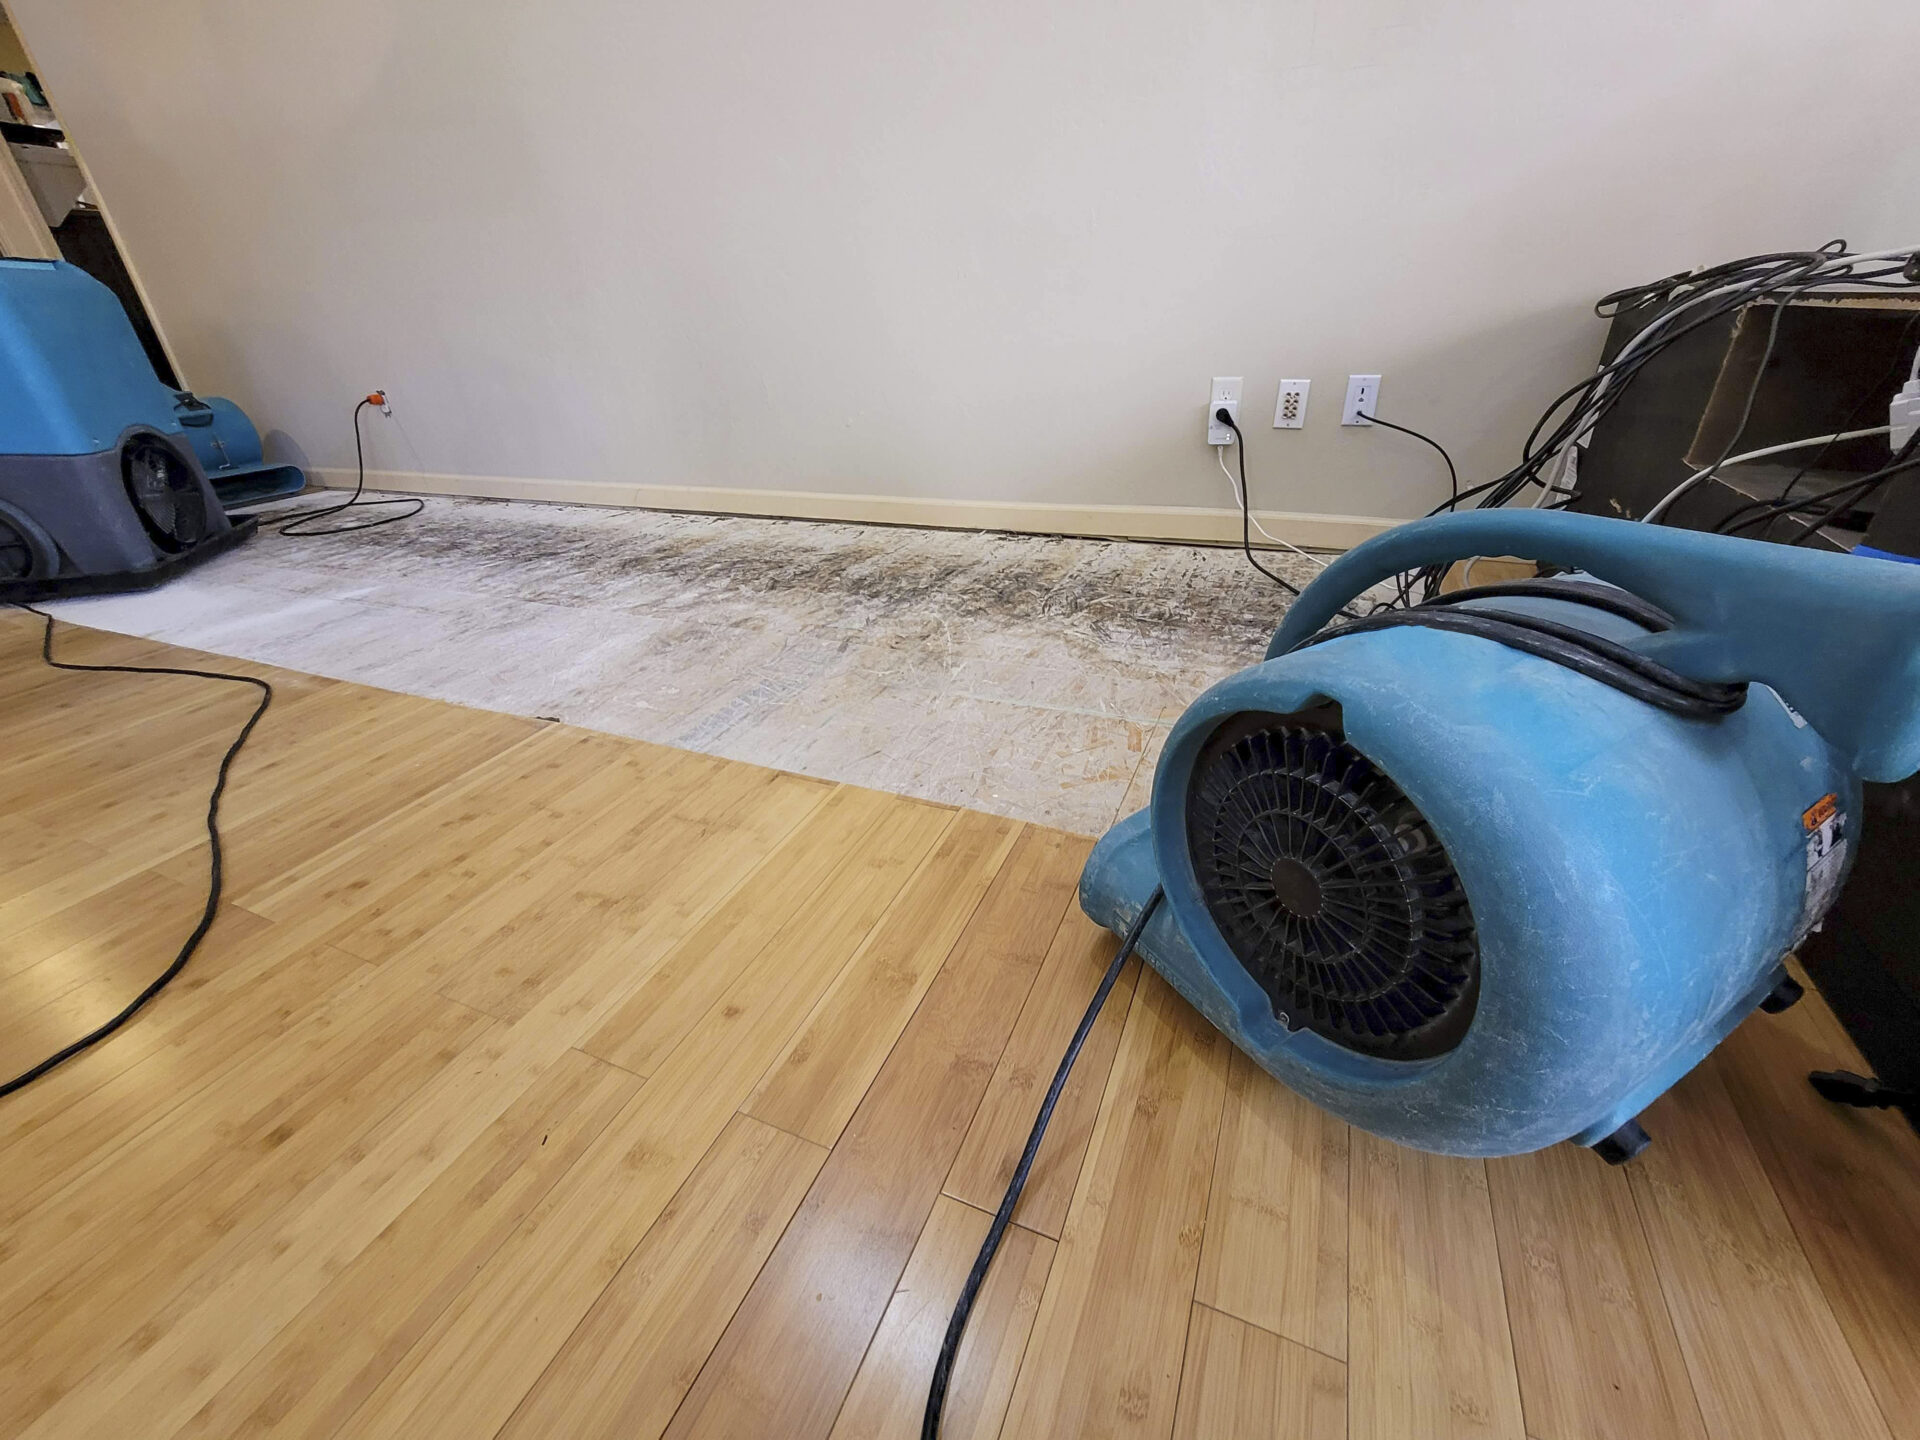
x: 378, y: 397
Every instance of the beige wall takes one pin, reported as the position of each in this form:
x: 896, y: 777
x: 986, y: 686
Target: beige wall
x: 990, y: 251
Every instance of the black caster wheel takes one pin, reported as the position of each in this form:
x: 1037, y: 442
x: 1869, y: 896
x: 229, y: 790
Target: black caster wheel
x: 1623, y: 1144
x: 1783, y: 996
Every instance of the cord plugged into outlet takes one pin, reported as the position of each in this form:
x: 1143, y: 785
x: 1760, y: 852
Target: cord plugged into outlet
x: 1225, y: 395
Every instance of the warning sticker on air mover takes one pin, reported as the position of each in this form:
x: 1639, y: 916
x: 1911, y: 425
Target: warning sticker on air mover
x: 1826, y: 855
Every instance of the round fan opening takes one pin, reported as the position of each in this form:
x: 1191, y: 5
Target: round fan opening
x: 21, y: 555
x: 166, y: 494
x: 1332, y: 890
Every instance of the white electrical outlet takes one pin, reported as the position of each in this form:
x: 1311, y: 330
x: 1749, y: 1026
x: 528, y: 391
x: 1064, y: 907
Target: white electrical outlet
x: 1290, y: 410
x: 1363, y: 397
x: 1225, y: 396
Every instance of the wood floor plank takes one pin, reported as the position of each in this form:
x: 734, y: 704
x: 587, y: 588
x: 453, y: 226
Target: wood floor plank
x: 625, y: 1368
x: 82, y: 1303
x: 1242, y: 1383
x: 468, y: 1374
x: 889, y: 1394
x: 139, y: 899
x: 156, y: 797
x: 801, y: 890
x: 1766, y: 1354
x: 1595, y: 1348
x: 785, y: 1362
x: 52, y: 862
x: 816, y: 1084
x: 496, y: 872
x: 1276, y: 1247
x: 227, y: 1312
x: 612, y: 863
x: 1848, y: 1180
x: 440, y: 834
x: 998, y: 1136
x: 1106, y: 1352
x: 237, y: 996
x: 224, y: 1135
x: 1428, y: 1347
x: 320, y: 1368
x: 69, y: 994
x: 268, y: 832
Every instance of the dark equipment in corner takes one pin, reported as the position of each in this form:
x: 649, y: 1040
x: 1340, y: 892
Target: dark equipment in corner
x: 1742, y: 382
x: 109, y: 479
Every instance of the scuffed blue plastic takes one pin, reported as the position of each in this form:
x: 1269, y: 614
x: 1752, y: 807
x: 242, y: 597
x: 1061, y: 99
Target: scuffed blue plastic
x: 73, y: 379
x: 1635, y: 877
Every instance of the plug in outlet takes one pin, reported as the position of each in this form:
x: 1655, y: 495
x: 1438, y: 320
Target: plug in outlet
x: 1903, y: 415
x: 1363, y: 397
x: 1290, y: 410
x: 1225, y: 396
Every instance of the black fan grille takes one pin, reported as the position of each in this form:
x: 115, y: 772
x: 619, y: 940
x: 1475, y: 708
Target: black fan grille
x: 166, y: 495
x: 1333, y: 891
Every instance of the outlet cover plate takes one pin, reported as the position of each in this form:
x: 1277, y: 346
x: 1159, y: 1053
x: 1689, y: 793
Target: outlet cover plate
x: 1290, y: 410
x: 1363, y: 398
x: 1225, y: 394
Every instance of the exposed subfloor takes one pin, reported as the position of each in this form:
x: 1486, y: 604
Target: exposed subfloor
x: 1028, y: 676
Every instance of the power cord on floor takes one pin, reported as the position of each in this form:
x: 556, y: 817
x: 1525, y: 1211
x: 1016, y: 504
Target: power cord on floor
x: 307, y: 517
x: 160, y: 983
x: 957, y: 1325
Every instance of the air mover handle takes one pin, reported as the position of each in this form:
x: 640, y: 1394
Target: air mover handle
x: 1838, y: 636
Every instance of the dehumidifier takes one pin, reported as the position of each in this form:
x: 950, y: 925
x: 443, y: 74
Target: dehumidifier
x: 109, y: 479
x: 1496, y: 871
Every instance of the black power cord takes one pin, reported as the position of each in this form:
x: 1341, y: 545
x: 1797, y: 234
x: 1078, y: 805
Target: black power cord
x: 160, y: 983
x: 306, y: 517
x: 1225, y: 417
x: 996, y: 1232
x: 1453, y: 475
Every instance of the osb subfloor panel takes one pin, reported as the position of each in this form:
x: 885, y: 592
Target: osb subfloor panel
x: 536, y: 1083
x: 1026, y: 676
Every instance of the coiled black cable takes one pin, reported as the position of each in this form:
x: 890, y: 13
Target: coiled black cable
x: 1623, y: 603
x: 1605, y: 661
x: 996, y: 1232
x: 160, y: 982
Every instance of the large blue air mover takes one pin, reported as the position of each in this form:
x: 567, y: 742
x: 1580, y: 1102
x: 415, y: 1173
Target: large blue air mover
x: 109, y: 479
x: 1496, y: 872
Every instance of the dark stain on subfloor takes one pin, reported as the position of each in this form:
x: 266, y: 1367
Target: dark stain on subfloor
x: 1115, y: 591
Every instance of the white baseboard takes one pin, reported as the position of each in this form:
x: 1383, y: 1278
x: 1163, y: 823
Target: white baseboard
x: 1192, y: 524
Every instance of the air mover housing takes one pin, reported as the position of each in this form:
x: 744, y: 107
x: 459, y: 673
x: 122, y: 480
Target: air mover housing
x: 1479, y: 901
x: 107, y: 476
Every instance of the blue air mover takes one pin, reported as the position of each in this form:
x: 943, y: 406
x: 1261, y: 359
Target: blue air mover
x: 1495, y: 872
x: 109, y: 479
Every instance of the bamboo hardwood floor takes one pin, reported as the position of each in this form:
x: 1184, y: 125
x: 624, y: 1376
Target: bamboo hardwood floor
x: 539, y: 1083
